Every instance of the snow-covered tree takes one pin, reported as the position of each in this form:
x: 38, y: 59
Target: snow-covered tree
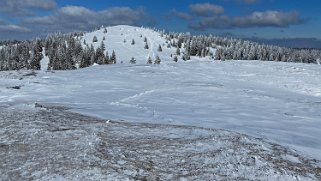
x: 157, y: 60
x: 95, y: 39
x: 175, y: 59
x: 149, y: 60
x: 37, y: 55
x: 113, y: 58
x: 146, y: 46
x: 132, y: 60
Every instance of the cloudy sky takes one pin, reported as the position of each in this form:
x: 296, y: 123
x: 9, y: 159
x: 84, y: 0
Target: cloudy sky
x: 296, y: 20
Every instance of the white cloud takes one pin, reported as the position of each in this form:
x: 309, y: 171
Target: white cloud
x: 13, y: 28
x: 256, y: 19
x: 78, y: 18
x: 206, y: 9
x: 25, y: 7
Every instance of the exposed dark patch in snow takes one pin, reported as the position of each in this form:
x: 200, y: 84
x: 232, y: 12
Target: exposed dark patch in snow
x: 30, y: 74
x: 17, y: 87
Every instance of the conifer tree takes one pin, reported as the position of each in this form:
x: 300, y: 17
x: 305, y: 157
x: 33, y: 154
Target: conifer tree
x: 106, y: 58
x: 113, y: 58
x: 149, y: 60
x: 95, y: 39
x: 133, y: 61
x: 175, y: 59
x: 37, y: 56
x: 157, y: 60
x: 146, y: 46
x: 178, y: 51
x: 102, y: 46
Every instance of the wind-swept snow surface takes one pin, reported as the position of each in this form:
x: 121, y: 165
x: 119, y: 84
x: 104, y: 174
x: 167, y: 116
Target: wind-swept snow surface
x: 52, y: 144
x: 277, y: 101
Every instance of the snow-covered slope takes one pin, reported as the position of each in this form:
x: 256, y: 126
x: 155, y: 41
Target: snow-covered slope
x: 279, y: 102
x: 119, y: 39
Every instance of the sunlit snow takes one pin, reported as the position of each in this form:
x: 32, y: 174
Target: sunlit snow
x: 280, y: 102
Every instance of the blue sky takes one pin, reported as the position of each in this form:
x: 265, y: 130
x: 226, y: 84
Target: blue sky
x: 268, y: 19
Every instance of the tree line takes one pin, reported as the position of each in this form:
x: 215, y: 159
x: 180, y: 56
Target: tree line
x: 70, y: 51
x: 237, y: 49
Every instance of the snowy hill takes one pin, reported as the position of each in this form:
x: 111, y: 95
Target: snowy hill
x: 119, y: 39
x: 274, y: 103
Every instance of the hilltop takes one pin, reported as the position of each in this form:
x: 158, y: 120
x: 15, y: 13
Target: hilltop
x: 259, y: 119
x: 128, y: 44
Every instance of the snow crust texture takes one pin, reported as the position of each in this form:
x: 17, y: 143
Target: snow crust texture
x: 54, y: 144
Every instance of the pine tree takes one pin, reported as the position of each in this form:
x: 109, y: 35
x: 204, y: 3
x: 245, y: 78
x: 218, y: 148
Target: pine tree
x: 133, y: 42
x: 106, y: 58
x: 186, y: 56
x: 105, y: 30
x: 218, y: 54
x: 133, y: 61
x: 149, y: 60
x: 37, y: 56
x: 95, y: 39
x: 175, y: 59
x: 160, y: 48
x: 102, y: 46
x: 69, y: 63
x: 113, y: 58
x: 157, y: 60
x: 100, y: 57
x: 178, y: 51
x: 146, y: 46
x: 85, y: 58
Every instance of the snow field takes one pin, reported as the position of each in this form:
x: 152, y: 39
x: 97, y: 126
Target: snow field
x: 280, y: 102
